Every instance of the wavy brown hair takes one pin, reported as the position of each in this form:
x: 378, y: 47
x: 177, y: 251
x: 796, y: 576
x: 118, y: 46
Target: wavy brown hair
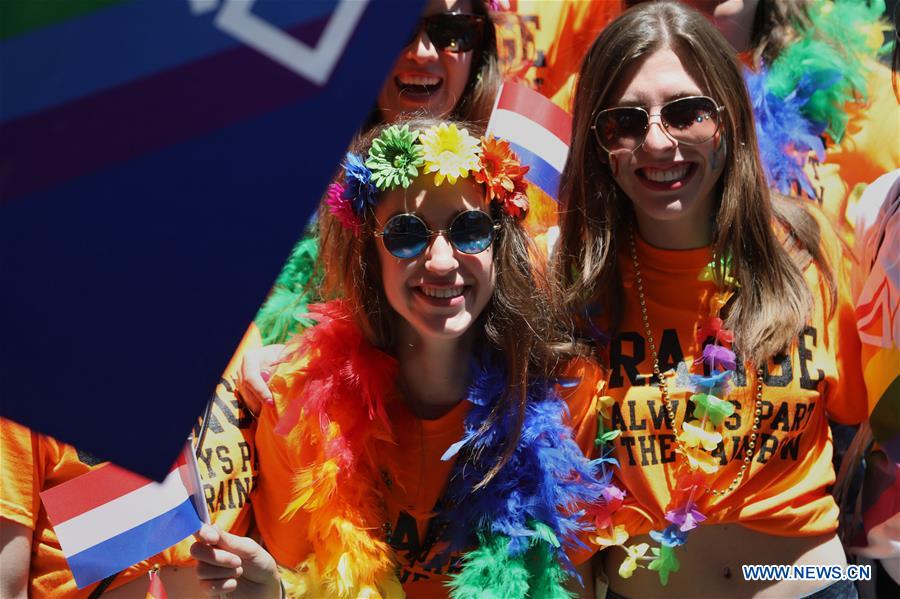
x: 478, y: 96
x: 522, y: 324
x: 776, y: 25
x: 773, y: 301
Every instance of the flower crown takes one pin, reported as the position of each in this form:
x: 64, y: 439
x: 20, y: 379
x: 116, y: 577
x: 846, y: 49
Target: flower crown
x: 399, y: 155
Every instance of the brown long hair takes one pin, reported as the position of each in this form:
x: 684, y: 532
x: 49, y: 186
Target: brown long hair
x: 478, y: 96
x: 774, y: 301
x: 522, y: 324
x: 776, y: 25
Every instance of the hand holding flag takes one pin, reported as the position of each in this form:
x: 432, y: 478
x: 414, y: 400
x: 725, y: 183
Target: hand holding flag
x: 227, y: 563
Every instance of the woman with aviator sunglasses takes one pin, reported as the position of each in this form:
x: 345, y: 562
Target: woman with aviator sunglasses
x: 431, y: 450
x: 713, y: 304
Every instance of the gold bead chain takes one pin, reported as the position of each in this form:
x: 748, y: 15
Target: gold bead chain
x: 664, y: 387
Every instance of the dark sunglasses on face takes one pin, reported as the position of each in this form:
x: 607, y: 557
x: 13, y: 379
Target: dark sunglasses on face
x: 454, y: 32
x: 692, y: 120
x: 406, y: 235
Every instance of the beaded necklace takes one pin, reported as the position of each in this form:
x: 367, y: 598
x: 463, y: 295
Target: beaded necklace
x: 664, y: 387
x: 695, y: 440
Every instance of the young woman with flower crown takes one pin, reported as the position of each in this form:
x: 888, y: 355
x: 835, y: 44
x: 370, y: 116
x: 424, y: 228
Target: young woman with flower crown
x: 448, y: 69
x: 720, y: 311
x: 421, y: 441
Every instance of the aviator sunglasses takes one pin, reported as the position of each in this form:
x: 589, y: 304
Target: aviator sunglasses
x: 406, y: 235
x: 692, y: 120
x: 451, y: 31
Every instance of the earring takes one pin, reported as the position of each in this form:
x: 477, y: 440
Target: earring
x: 614, y: 164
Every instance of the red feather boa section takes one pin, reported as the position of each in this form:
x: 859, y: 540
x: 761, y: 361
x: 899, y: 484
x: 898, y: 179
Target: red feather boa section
x: 335, y: 405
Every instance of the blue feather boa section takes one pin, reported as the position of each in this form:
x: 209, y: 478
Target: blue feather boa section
x: 531, y: 506
x: 803, y: 96
x: 786, y: 137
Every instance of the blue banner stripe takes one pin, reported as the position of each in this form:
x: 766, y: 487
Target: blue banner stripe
x: 541, y: 174
x: 117, y: 45
x: 135, y: 545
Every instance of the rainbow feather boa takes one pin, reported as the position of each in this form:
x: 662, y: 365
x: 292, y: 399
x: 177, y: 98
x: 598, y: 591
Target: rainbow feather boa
x: 803, y: 95
x: 519, y: 523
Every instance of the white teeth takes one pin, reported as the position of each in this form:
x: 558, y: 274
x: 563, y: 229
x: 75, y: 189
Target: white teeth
x: 442, y: 292
x: 665, y: 175
x: 418, y: 80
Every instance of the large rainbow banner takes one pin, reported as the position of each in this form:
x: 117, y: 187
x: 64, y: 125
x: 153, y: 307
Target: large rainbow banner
x: 158, y: 159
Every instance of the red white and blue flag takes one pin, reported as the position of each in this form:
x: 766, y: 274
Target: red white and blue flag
x: 110, y: 518
x: 537, y: 130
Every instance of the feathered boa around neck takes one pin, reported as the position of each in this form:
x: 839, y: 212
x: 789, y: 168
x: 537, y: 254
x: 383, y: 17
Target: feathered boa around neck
x: 809, y: 89
x: 518, y: 524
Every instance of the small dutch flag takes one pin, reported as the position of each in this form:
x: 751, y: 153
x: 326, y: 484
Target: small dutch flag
x: 110, y: 518
x: 537, y: 130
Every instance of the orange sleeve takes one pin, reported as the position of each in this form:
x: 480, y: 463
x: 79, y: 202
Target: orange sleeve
x: 845, y: 390
x: 20, y: 476
x: 280, y: 457
x: 581, y: 399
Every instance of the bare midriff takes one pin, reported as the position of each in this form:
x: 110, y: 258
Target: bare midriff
x: 711, y: 563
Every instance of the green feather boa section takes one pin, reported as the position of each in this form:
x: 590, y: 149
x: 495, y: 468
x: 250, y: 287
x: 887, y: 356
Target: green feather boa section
x: 547, y: 576
x: 490, y: 572
x: 832, y: 50
x: 295, y: 288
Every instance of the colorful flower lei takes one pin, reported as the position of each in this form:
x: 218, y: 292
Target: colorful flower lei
x: 697, y: 440
x: 399, y: 155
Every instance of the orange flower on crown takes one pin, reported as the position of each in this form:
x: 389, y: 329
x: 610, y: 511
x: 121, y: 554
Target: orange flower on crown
x: 502, y: 175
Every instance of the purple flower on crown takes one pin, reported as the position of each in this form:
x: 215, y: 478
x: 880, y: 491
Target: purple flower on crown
x: 340, y: 207
x: 360, y: 191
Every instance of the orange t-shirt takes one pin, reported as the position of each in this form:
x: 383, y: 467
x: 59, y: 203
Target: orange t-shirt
x: 409, y: 500
x: 784, y: 491
x: 31, y: 462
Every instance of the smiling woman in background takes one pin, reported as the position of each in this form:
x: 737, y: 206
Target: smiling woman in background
x: 448, y: 68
